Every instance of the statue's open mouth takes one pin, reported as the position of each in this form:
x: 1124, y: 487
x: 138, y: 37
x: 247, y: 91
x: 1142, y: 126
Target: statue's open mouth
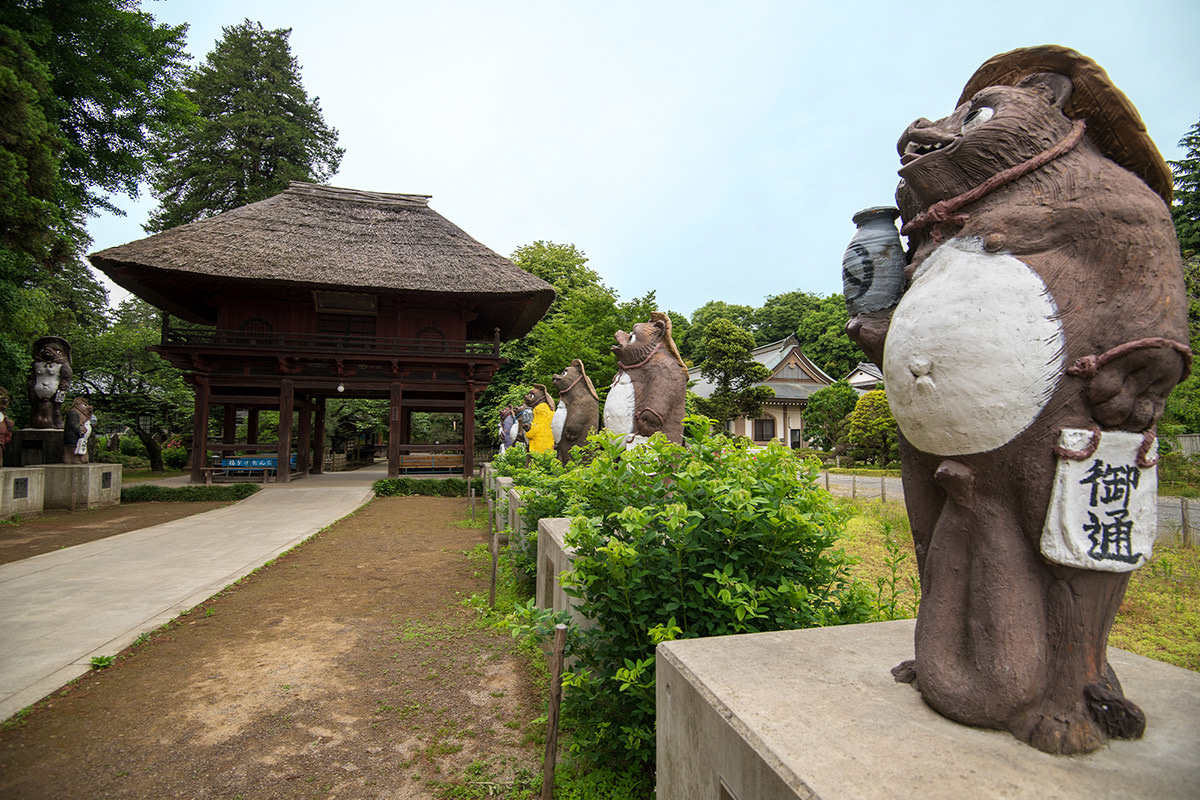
x: 923, y: 141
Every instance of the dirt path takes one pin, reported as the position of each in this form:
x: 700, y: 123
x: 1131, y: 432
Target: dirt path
x: 349, y: 668
x: 54, y: 530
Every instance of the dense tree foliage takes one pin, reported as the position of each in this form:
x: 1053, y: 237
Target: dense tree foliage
x: 84, y: 85
x: 130, y: 385
x: 729, y: 367
x: 691, y: 343
x: 1185, y: 210
x: 826, y: 412
x: 255, y: 130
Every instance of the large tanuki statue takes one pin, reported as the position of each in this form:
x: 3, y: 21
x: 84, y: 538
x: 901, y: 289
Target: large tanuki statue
x: 538, y: 433
x: 49, y: 379
x: 649, y: 389
x: 578, y: 412
x: 1027, y: 363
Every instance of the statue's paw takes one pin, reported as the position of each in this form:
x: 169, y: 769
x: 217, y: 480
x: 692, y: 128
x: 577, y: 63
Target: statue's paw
x: 905, y: 672
x: 1118, y: 716
x: 1070, y: 732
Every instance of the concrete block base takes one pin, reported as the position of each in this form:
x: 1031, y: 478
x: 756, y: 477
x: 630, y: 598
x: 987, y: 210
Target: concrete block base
x: 77, y: 487
x: 816, y: 714
x: 32, y: 447
x: 554, y: 558
x: 22, y: 491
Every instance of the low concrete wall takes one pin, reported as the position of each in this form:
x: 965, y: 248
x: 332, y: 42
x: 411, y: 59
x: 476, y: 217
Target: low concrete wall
x: 22, y: 491
x: 554, y: 558
x: 77, y: 487
x: 816, y: 714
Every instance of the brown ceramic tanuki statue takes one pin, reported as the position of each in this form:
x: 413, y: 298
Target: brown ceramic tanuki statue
x: 650, y: 386
x: 77, y: 429
x: 1027, y: 363
x: 538, y: 434
x: 49, y: 379
x: 578, y: 412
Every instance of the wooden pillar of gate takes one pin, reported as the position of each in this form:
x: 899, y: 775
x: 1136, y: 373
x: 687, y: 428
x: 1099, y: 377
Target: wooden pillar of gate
x: 304, y: 438
x: 318, y: 466
x: 287, y: 407
x: 395, y: 429
x: 229, y: 428
x: 469, y: 432
x: 252, y: 426
x: 200, y: 429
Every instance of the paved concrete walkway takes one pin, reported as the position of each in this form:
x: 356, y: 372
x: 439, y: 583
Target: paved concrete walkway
x: 60, y: 609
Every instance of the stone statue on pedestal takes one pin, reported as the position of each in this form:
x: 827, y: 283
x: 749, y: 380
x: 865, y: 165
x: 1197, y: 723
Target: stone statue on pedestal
x: 649, y: 389
x: 578, y: 412
x: 77, y: 430
x: 6, y: 425
x: 1043, y: 323
x: 49, y: 379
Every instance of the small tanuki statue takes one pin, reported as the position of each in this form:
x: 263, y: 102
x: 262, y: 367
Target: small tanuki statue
x: 578, y: 412
x: 649, y: 389
x: 538, y: 434
x: 1027, y: 363
x: 77, y: 429
x: 6, y: 426
x: 508, y: 434
x: 49, y: 379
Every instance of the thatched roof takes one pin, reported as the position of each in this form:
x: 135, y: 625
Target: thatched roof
x: 322, y: 237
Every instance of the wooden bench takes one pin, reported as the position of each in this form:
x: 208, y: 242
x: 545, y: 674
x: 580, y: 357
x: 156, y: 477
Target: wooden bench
x: 430, y: 462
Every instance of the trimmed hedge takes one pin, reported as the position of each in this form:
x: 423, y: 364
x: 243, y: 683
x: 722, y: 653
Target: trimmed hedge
x: 447, y: 487
x: 144, y: 493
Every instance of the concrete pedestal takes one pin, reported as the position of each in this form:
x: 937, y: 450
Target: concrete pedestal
x: 77, y: 487
x: 816, y: 714
x: 22, y: 491
x: 32, y: 447
x: 553, y: 559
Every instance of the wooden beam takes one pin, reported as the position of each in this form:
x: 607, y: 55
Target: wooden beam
x: 200, y: 430
x: 252, y: 426
x: 469, y: 433
x: 304, y: 440
x: 395, y: 426
x: 287, y: 406
x: 319, y: 437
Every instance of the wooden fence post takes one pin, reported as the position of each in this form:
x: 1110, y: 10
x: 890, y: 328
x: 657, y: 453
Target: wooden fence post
x: 1187, y: 528
x: 556, y: 667
x: 882, y: 489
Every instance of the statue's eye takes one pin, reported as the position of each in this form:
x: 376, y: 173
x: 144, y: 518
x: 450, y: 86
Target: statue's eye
x: 632, y: 337
x: 977, y: 117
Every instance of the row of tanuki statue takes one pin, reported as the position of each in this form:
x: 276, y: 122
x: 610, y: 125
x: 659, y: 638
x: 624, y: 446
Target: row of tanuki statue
x: 646, y: 397
x: 49, y: 379
x: 1028, y: 337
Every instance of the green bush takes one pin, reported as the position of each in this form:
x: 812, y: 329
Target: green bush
x: 132, y: 446
x: 144, y: 493
x: 446, y: 487
x: 677, y: 543
x: 175, y: 457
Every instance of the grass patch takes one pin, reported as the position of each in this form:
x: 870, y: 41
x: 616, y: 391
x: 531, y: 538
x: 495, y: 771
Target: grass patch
x: 445, y: 487
x: 878, y: 537
x: 230, y: 492
x: 1160, y: 617
x: 137, y: 475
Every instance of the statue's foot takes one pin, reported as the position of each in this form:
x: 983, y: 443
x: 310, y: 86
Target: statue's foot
x: 1103, y: 713
x: 1070, y: 732
x: 905, y: 672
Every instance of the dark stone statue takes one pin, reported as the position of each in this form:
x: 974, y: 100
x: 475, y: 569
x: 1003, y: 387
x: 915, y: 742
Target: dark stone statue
x: 508, y: 430
x: 578, y: 412
x: 49, y: 379
x: 648, y: 392
x: 77, y: 430
x: 6, y: 425
x: 1027, y: 363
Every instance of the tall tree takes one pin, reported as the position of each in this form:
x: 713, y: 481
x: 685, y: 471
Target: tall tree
x: 84, y: 84
x: 1185, y: 209
x: 780, y: 315
x: 255, y: 130
x: 733, y: 373
x: 826, y: 412
x: 822, y: 335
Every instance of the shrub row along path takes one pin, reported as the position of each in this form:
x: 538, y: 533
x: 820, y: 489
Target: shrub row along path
x: 346, y: 668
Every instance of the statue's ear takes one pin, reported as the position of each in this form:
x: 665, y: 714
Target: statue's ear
x: 1055, y: 87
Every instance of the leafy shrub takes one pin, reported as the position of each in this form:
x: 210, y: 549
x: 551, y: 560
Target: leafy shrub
x: 677, y: 543
x: 132, y: 446
x: 446, y: 487
x: 175, y: 457
x: 145, y: 493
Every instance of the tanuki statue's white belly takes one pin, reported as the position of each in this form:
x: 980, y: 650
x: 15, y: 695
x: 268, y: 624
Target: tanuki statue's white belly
x: 619, y: 405
x: 973, y: 352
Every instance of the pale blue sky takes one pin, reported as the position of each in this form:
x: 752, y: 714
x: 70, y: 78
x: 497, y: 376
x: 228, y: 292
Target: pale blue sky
x: 707, y: 150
